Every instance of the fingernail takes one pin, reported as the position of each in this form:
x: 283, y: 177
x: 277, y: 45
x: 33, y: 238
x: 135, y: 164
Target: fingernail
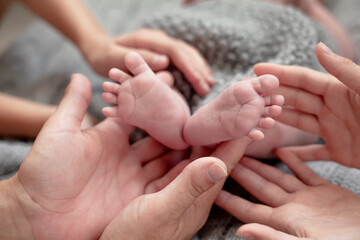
x: 160, y: 60
x: 216, y: 172
x: 325, y: 48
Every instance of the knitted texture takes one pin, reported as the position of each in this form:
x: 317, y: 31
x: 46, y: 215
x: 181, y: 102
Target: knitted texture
x: 234, y: 35
x: 11, y: 155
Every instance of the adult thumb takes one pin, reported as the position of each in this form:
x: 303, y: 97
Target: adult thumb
x: 72, y: 108
x: 197, y: 178
x: 256, y: 231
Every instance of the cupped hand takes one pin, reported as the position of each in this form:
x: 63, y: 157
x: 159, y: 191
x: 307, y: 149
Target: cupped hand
x: 157, y: 48
x: 176, y: 212
x: 74, y: 182
x: 307, y: 207
x: 322, y: 104
x: 181, y: 202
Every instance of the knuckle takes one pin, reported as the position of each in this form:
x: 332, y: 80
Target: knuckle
x: 343, y: 67
x: 173, y: 50
x: 346, y: 62
x: 197, y: 189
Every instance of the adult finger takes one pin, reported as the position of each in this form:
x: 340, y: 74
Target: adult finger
x: 199, y: 60
x: 158, y: 168
x: 299, y: 77
x: 261, y: 232
x: 184, y: 57
x: 342, y: 68
x: 285, y: 181
x: 301, y: 100
x: 197, y: 178
x: 196, y: 71
x: 299, y: 168
x: 72, y: 108
x: 307, y: 122
x: 200, y: 151
x: 244, y: 210
x: 162, y: 182
x: 156, y: 61
x: 259, y: 187
x: 232, y: 151
x: 147, y: 149
x: 314, y: 152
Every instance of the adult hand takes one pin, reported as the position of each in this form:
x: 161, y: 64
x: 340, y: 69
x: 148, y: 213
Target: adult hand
x: 74, y: 182
x: 322, y: 104
x: 103, y: 52
x: 307, y: 207
x: 176, y: 212
x: 157, y: 48
x: 181, y: 208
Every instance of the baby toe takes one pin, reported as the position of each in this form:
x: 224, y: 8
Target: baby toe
x: 266, y: 123
x: 256, y: 134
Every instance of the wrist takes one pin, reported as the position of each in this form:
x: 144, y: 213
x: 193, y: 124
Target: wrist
x: 90, y: 43
x: 98, y: 51
x: 14, y: 223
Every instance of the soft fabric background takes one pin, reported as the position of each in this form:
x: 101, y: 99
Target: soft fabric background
x: 232, y: 34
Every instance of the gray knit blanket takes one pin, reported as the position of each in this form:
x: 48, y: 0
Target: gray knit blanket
x: 233, y: 35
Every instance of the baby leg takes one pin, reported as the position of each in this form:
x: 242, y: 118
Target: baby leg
x: 239, y: 111
x: 146, y: 101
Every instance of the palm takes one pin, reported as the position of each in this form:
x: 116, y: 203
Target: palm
x: 324, y: 105
x: 305, y: 206
x: 341, y: 114
x: 314, y: 210
x: 93, y: 173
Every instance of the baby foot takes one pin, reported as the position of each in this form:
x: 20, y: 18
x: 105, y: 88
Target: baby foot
x: 237, y: 112
x: 147, y: 101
